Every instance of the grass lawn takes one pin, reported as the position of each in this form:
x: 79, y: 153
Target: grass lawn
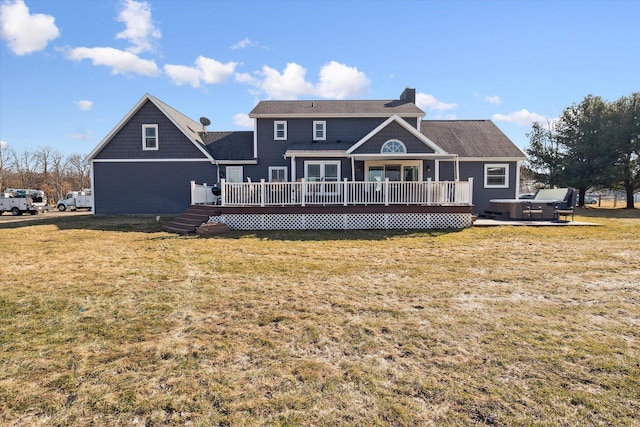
x: 110, y: 321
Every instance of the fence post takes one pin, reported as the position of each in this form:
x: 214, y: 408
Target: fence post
x: 386, y: 191
x: 223, y: 192
x: 345, y: 189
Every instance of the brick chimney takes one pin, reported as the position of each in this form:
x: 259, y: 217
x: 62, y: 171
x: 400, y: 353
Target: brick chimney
x: 408, y: 95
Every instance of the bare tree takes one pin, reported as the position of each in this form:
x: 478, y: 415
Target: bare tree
x: 25, y: 166
x: 5, y: 165
x: 80, y: 169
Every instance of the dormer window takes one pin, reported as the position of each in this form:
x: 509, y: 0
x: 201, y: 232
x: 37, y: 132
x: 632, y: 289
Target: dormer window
x: 319, y: 131
x: 149, y: 137
x: 393, y: 146
x: 280, y: 130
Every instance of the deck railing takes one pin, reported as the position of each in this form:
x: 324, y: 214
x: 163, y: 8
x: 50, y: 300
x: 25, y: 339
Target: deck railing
x: 302, y: 193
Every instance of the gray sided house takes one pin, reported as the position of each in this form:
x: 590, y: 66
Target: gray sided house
x: 147, y: 163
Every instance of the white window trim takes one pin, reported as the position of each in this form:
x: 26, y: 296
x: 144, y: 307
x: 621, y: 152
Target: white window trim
x: 284, y: 168
x: 275, y: 130
x: 404, y: 147
x: 506, y: 175
x: 144, y: 138
x: 324, y: 130
x: 402, y: 164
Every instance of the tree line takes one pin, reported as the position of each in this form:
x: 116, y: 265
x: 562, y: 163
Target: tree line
x: 44, y: 169
x: 594, y: 144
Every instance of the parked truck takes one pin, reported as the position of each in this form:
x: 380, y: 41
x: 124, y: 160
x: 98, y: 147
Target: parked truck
x: 16, y: 205
x: 38, y: 198
x: 76, y: 200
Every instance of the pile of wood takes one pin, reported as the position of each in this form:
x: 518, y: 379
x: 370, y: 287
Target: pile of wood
x: 212, y: 228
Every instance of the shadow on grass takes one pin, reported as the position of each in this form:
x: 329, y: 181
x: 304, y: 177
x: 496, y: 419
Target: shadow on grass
x: 148, y: 224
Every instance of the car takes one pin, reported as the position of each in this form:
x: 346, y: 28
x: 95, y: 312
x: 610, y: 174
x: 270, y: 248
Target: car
x: 588, y: 200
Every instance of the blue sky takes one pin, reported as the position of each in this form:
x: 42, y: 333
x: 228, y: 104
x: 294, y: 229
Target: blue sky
x: 70, y: 70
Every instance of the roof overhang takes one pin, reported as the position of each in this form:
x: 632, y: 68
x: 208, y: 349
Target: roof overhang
x: 329, y: 115
x: 315, y: 153
x: 492, y: 159
x: 404, y: 156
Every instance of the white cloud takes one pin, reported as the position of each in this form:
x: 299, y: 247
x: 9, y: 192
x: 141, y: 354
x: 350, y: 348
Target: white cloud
x: 244, y: 43
x: 206, y: 70
x: 84, y: 105
x: 335, y: 81
x: 493, y: 99
x: 82, y: 135
x: 26, y: 33
x: 338, y: 81
x: 243, y: 120
x: 521, y: 118
x: 429, y: 102
x: 181, y: 75
x: 3, y: 144
x: 121, y: 62
x: 140, y: 29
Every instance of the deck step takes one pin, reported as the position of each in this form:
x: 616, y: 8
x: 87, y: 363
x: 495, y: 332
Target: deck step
x: 190, y: 219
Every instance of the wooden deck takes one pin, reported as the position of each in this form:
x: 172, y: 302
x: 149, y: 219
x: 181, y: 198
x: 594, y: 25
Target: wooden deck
x: 319, y: 217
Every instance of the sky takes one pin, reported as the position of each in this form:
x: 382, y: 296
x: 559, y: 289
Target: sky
x: 71, y: 70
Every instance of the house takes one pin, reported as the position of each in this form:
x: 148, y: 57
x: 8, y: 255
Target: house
x: 324, y: 150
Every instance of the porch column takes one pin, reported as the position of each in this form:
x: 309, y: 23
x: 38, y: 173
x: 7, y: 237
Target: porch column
x: 457, y: 168
x: 293, y: 168
x: 353, y: 169
x: 223, y: 192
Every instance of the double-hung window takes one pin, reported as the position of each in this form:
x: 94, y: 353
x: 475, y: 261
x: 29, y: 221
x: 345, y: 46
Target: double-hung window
x: 496, y: 176
x: 277, y: 173
x: 280, y: 130
x: 149, y: 137
x: 319, y: 131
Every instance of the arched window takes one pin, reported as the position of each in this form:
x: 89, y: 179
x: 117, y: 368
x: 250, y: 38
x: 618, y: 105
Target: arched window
x: 393, y: 146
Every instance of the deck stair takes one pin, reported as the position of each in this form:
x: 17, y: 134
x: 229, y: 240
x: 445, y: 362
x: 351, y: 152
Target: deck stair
x: 189, y: 220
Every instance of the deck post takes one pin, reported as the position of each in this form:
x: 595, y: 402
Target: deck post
x: 262, y: 192
x: 470, y: 201
x: 429, y: 191
x: 303, y: 192
x: 345, y: 190
x: 193, y: 192
x: 386, y: 191
x: 223, y: 192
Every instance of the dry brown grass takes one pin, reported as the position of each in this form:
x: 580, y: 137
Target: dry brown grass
x: 108, y: 321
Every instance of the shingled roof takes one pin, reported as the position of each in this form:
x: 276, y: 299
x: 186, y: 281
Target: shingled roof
x: 236, y: 145
x: 324, y: 108
x: 470, y: 138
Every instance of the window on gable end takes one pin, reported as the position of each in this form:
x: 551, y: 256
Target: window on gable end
x: 149, y: 137
x: 319, y: 131
x: 393, y: 146
x: 280, y: 130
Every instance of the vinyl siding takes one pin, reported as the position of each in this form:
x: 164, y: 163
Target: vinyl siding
x: 149, y: 188
x: 481, y: 195
x: 393, y: 131
x: 127, y: 142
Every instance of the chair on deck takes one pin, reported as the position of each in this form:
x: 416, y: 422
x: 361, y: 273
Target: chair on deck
x: 566, y: 207
x: 529, y: 210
